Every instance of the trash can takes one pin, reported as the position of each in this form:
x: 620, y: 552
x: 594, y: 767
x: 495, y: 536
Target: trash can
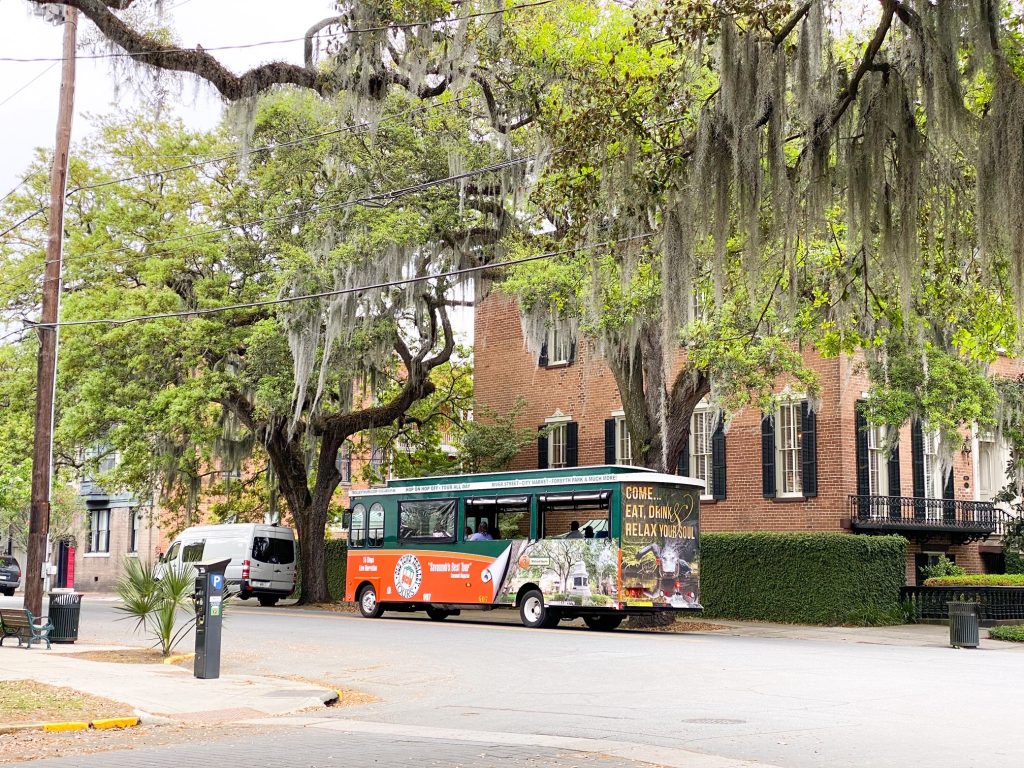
x: 963, y: 624
x: 65, y: 608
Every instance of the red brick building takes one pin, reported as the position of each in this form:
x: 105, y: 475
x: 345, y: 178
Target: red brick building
x: 799, y: 469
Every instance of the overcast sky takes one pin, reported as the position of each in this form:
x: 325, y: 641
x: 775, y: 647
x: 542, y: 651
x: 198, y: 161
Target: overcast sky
x: 28, y: 118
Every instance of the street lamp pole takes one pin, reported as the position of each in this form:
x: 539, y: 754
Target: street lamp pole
x: 46, y: 372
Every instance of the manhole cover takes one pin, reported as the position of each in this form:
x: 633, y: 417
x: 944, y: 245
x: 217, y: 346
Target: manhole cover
x: 714, y: 721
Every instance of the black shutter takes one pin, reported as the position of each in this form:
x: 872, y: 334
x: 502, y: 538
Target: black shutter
x: 572, y: 351
x: 861, y: 421
x: 863, y: 482
x: 894, y: 482
x: 948, y: 491
x: 808, y: 450
x: 917, y: 457
x: 542, y: 448
x: 718, y: 461
x: 683, y: 462
x: 543, y: 360
x: 572, y: 440
x: 609, y: 441
x: 768, y: 456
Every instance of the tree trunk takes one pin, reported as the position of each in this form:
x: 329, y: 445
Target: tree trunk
x: 312, y: 526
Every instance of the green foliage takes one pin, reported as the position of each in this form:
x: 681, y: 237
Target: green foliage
x: 156, y: 604
x: 940, y: 387
x: 976, y: 580
x: 1011, y: 633
x: 942, y: 568
x: 492, y: 440
x: 336, y: 558
x: 1014, y: 562
x: 806, y: 578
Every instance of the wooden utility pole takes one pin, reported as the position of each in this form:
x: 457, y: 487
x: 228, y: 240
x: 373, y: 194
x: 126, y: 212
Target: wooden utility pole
x: 46, y: 376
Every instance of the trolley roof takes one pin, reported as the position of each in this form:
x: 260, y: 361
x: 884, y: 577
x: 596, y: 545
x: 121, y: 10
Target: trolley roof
x: 500, y: 481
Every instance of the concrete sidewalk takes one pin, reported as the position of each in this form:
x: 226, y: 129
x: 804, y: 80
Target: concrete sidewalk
x: 156, y: 691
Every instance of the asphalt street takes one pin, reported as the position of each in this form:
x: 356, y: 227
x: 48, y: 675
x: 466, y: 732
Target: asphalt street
x: 783, y: 702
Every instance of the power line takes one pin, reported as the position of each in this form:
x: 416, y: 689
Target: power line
x: 26, y: 85
x: 380, y: 198
x: 242, y: 46
x: 341, y: 291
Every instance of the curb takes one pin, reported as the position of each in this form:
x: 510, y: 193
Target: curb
x: 70, y: 725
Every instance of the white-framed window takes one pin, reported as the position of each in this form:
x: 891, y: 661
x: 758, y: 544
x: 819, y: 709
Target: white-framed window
x: 559, y: 343
x: 930, y: 464
x: 623, y: 442
x: 99, y: 530
x: 702, y: 429
x: 993, y: 457
x: 878, y: 470
x: 788, y: 440
x: 557, y: 439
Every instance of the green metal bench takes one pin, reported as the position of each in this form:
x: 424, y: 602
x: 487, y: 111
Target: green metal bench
x: 20, y: 623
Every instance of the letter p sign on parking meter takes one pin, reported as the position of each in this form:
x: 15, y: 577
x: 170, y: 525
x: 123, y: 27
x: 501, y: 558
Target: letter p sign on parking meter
x: 209, y: 600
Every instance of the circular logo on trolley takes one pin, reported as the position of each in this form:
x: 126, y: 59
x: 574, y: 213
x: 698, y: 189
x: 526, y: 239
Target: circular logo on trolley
x: 408, y: 575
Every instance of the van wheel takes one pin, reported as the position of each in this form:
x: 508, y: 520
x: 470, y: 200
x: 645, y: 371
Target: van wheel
x: 533, y: 613
x: 368, y: 605
x: 9, y: 592
x: 437, y: 614
x: 244, y: 595
x: 602, y: 623
x: 267, y: 601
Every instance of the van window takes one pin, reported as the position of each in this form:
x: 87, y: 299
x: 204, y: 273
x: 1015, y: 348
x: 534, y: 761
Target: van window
x: 266, y: 549
x: 192, y: 553
x: 172, y: 553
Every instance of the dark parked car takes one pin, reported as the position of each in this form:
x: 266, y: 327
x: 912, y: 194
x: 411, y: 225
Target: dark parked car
x: 10, y: 575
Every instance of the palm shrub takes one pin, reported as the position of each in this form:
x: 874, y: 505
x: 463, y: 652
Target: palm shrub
x: 156, y: 603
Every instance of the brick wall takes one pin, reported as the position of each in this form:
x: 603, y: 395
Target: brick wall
x: 504, y: 370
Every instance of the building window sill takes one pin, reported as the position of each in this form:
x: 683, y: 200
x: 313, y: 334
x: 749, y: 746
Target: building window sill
x: 96, y: 554
x: 562, y: 364
x: 709, y: 499
x: 790, y: 498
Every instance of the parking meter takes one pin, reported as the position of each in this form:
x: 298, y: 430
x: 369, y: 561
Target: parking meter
x: 209, y: 603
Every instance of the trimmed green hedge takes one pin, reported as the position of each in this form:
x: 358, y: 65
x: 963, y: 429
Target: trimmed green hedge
x: 336, y: 560
x: 978, y: 580
x: 1013, y: 633
x: 803, y: 578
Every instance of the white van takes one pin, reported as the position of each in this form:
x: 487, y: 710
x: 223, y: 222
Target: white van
x: 262, y: 556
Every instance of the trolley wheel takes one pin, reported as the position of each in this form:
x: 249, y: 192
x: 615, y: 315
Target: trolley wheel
x: 437, y: 614
x: 533, y: 613
x: 602, y: 622
x: 368, y: 605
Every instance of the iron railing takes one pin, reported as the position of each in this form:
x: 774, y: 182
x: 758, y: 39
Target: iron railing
x: 911, y: 513
x: 995, y: 604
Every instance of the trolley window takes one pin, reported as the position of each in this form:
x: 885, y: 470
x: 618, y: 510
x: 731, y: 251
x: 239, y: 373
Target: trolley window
x: 558, y: 512
x: 357, y: 527
x: 507, y: 517
x: 376, y: 535
x: 427, y: 520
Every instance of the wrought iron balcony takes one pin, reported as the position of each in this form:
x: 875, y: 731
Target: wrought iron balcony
x: 918, y: 518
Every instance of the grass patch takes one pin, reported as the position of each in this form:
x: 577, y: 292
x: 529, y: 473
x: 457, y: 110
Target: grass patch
x: 978, y: 580
x: 679, y: 625
x: 1013, y: 633
x: 26, y: 701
